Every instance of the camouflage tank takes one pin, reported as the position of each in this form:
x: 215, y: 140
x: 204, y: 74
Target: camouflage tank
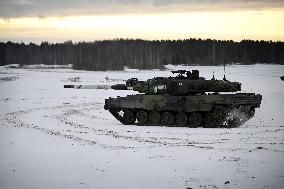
x: 183, y: 100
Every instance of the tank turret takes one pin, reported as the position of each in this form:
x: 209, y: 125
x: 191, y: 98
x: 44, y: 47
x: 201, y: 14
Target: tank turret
x: 185, y: 83
x: 185, y: 99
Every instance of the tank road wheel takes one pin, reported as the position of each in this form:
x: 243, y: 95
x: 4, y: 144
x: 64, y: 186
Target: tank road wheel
x: 195, y: 120
x: 155, y: 117
x: 167, y: 118
x: 142, y: 117
x: 181, y: 118
x: 210, y: 120
x: 128, y: 117
x: 220, y: 116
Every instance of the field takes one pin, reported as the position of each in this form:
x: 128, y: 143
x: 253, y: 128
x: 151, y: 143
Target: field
x: 51, y: 137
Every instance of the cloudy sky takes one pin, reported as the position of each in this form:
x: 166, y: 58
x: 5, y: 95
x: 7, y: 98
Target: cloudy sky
x: 78, y: 20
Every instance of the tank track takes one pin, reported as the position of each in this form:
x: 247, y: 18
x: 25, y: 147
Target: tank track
x: 219, y: 117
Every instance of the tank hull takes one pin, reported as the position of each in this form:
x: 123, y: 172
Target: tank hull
x: 206, y: 110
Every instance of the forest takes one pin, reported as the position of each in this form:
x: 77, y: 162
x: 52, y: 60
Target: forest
x: 142, y: 54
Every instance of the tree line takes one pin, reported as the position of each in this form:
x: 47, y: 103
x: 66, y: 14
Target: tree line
x: 142, y: 54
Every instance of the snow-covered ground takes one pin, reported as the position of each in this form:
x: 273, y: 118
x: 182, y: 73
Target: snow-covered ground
x: 51, y: 137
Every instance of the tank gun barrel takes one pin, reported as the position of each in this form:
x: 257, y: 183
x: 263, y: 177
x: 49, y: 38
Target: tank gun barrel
x: 106, y: 87
x: 179, y: 71
x: 88, y: 86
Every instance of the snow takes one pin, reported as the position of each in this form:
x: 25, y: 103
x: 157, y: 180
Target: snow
x: 51, y: 137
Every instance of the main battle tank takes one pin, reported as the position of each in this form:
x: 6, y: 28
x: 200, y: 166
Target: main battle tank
x: 183, y: 100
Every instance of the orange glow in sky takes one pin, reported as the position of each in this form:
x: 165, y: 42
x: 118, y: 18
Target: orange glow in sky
x: 235, y: 25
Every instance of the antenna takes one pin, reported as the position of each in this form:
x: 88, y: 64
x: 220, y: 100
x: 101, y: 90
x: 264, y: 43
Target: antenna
x: 224, y: 71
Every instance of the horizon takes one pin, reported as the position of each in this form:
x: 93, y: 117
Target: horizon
x: 134, y: 39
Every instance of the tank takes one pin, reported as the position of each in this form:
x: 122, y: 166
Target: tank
x: 185, y: 99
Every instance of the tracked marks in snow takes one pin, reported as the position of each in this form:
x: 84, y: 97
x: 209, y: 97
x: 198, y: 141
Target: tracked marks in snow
x: 78, y: 122
x: 76, y: 131
x: 14, y: 119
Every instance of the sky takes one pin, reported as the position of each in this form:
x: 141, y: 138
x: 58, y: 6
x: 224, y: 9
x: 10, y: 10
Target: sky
x: 89, y: 20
